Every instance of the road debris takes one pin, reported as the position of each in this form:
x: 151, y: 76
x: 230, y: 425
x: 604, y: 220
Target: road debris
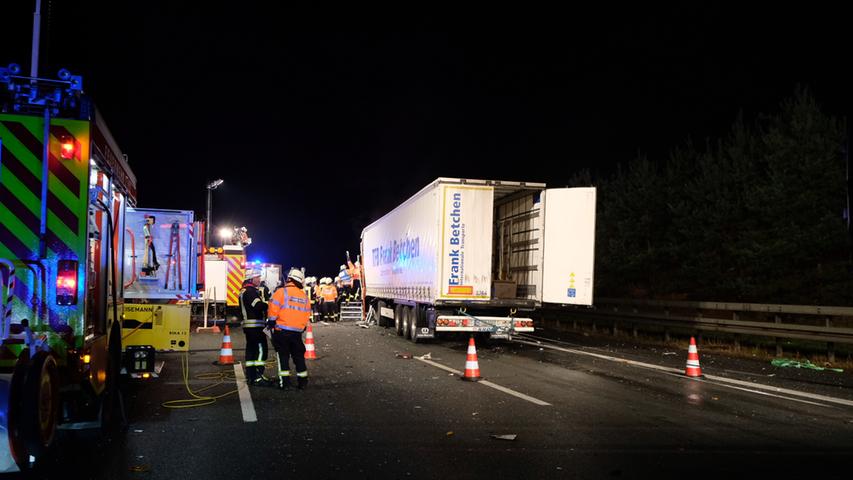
x: 669, y: 353
x: 509, y: 436
x: 426, y: 356
x: 140, y: 468
x: 137, y: 431
x: 787, y: 362
x: 405, y: 355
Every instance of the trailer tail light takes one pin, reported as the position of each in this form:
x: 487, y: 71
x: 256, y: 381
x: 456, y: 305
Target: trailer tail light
x: 66, y: 148
x: 66, y: 283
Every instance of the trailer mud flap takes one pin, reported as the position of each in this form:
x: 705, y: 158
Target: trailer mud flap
x: 425, y: 332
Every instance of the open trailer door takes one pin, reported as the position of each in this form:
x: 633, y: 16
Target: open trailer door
x: 568, y: 246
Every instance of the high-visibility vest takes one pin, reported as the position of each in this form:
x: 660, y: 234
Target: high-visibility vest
x: 346, y: 279
x: 289, y: 308
x: 329, y: 293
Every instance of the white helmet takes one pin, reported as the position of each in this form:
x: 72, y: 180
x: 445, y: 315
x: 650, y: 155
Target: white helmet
x: 297, y: 275
x: 326, y: 281
x: 337, y: 279
x: 251, y: 273
x: 343, y: 267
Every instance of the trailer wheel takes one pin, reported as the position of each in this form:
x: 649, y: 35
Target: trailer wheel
x: 413, y: 323
x: 41, y: 405
x: 398, y: 319
x: 407, y: 321
x: 380, y: 320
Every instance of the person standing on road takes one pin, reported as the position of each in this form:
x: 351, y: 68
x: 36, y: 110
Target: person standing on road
x: 288, y: 314
x: 329, y: 296
x: 254, y: 309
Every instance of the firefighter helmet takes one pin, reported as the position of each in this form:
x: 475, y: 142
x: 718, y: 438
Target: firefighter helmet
x: 250, y: 274
x: 296, y: 275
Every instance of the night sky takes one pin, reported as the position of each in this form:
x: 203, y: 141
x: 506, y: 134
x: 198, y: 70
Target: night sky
x: 316, y: 133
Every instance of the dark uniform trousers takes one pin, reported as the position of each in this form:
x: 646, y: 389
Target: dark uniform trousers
x: 257, y: 351
x: 289, y: 344
x: 330, y: 310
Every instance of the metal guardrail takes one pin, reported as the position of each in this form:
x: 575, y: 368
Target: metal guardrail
x: 829, y: 324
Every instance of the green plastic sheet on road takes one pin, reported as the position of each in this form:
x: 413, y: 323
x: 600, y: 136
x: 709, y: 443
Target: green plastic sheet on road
x: 787, y: 362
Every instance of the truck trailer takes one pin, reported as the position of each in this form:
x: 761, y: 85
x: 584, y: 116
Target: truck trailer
x: 465, y: 255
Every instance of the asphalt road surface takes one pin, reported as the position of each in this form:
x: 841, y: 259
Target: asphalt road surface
x: 369, y: 414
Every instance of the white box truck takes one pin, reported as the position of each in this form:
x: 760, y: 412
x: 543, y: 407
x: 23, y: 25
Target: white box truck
x: 467, y: 255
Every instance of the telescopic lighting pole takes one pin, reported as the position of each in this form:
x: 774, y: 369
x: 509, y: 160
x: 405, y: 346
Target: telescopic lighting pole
x: 34, y: 58
x: 210, y: 188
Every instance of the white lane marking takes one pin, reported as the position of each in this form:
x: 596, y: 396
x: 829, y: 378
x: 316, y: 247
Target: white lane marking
x: 246, y: 404
x: 742, y: 383
x: 757, y: 392
x: 488, y: 384
x: 813, y: 396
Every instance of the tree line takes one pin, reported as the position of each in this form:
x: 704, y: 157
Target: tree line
x: 756, y: 216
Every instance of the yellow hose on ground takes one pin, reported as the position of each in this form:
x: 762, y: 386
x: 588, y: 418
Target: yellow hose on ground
x: 197, y: 400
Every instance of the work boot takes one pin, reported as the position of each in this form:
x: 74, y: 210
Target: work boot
x: 261, y: 382
x: 301, y: 382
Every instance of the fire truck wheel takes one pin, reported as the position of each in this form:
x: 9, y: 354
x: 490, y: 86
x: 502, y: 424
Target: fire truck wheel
x: 398, y: 319
x: 111, y: 414
x: 41, y: 404
x: 11, y: 397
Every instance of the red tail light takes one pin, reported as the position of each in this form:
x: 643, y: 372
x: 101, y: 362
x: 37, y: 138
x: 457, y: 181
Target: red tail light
x: 66, y: 283
x: 67, y: 148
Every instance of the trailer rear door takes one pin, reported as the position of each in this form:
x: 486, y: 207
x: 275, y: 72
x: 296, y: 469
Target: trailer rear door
x: 568, y: 245
x: 465, y: 261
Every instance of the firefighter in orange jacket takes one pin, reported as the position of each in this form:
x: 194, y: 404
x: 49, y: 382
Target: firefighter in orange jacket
x: 329, y: 297
x: 288, y: 314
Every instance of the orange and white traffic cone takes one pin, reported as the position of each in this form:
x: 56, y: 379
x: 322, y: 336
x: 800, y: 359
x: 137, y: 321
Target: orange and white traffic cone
x: 310, y: 352
x: 472, y: 366
x: 226, y: 353
x: 693, y: 369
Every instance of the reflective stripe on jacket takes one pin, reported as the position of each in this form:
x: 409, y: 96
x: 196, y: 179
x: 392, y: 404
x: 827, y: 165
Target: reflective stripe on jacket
x: 253, y: 306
